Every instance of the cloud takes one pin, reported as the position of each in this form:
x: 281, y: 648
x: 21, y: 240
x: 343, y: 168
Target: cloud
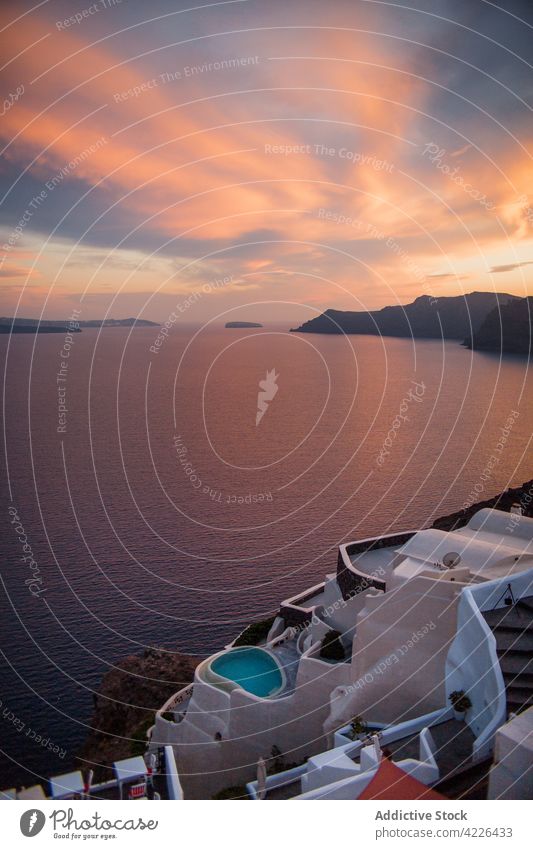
x: 449, y: 276
x: 15, y: 271
x: 498, y: 269
x: 186, y: 174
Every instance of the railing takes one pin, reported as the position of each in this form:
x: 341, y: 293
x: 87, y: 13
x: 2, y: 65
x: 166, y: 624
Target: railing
x: 393, y: 733
x: 280, y: 779
x: 173, y: 782
x: 349, y: 578
x: 285, y: 637
x: 473, y: 665
x: 292, y: 610
x: 177, y: 699
x: 492, y: 714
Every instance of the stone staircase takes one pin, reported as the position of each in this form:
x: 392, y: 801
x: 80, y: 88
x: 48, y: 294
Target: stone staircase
x: 513, y: 629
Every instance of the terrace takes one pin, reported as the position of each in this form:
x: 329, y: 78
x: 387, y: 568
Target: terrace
x: 135, y: 778
x: 368, y: 562
x: 433, y: 748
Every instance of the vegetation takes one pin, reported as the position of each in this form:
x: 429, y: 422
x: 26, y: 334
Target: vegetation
x: 237, y: 792
x: 332, y: 648
x: 138, y: 738
x: 168, y: 715
x: 460, y: 701
x: 255, y: 633
x: 357, y: 727
x: 277, y: 764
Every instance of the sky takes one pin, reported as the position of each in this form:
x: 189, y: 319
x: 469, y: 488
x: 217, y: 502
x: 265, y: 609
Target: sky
x: 262, y: 159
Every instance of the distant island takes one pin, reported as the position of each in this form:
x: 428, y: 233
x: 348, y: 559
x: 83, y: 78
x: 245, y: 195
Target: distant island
x: 506, y: 330
x: 234, y: 324
x: 35, y: 325
x: 425, y: 318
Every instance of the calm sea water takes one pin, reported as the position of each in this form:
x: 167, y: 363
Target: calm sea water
x: 164, y: 516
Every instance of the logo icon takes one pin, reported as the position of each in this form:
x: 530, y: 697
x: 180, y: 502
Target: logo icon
x: 32, y: 822
x: 267, y: 391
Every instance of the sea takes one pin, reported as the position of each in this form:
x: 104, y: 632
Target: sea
x: 167, y: 491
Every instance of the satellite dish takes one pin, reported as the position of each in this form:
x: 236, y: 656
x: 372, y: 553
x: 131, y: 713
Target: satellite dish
x: 451, y: 560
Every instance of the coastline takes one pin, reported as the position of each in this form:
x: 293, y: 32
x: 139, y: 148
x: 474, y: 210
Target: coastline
x: 125, y: 704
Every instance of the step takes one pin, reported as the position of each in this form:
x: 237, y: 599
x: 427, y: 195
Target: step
x: 526, y: 604
x: 519, y: 695
x: 517, y: 663
x: 470, y: 781
x: 514, y: 641
x: 520, y: 682
x: 519, y: 706
x: 509, y: 618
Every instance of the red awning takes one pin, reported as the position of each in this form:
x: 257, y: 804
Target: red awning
x: 391, y: 782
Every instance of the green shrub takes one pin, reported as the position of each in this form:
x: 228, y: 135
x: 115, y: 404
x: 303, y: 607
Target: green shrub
x: 357, y: 726
x: 255, y: 633
x: 169, y: 715
x: 332, y: 648
x: 460, y: 701
x: 138, y: 740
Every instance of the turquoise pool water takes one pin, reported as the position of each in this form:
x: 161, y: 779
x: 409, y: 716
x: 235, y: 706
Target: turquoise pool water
x: 252, y: 669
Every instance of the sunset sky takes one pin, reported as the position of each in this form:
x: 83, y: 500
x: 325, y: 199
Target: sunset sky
x: 311, y: 154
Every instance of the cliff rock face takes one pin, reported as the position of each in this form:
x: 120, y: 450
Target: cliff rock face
x: 426, y: 317
x: 127, y: 700
x: 508, y: 330
x: 521, y: 495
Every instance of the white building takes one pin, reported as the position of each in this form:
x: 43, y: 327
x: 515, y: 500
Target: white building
x: 421, y: 615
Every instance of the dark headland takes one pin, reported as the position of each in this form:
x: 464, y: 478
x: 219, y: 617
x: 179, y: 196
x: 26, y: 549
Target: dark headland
x: 35, y: 325
x: 473, y: 319
x: 508, y: 330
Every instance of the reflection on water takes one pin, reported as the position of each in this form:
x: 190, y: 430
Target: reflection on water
x: 166, y: 514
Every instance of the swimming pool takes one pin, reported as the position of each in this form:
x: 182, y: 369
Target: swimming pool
x: 253, y: 669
